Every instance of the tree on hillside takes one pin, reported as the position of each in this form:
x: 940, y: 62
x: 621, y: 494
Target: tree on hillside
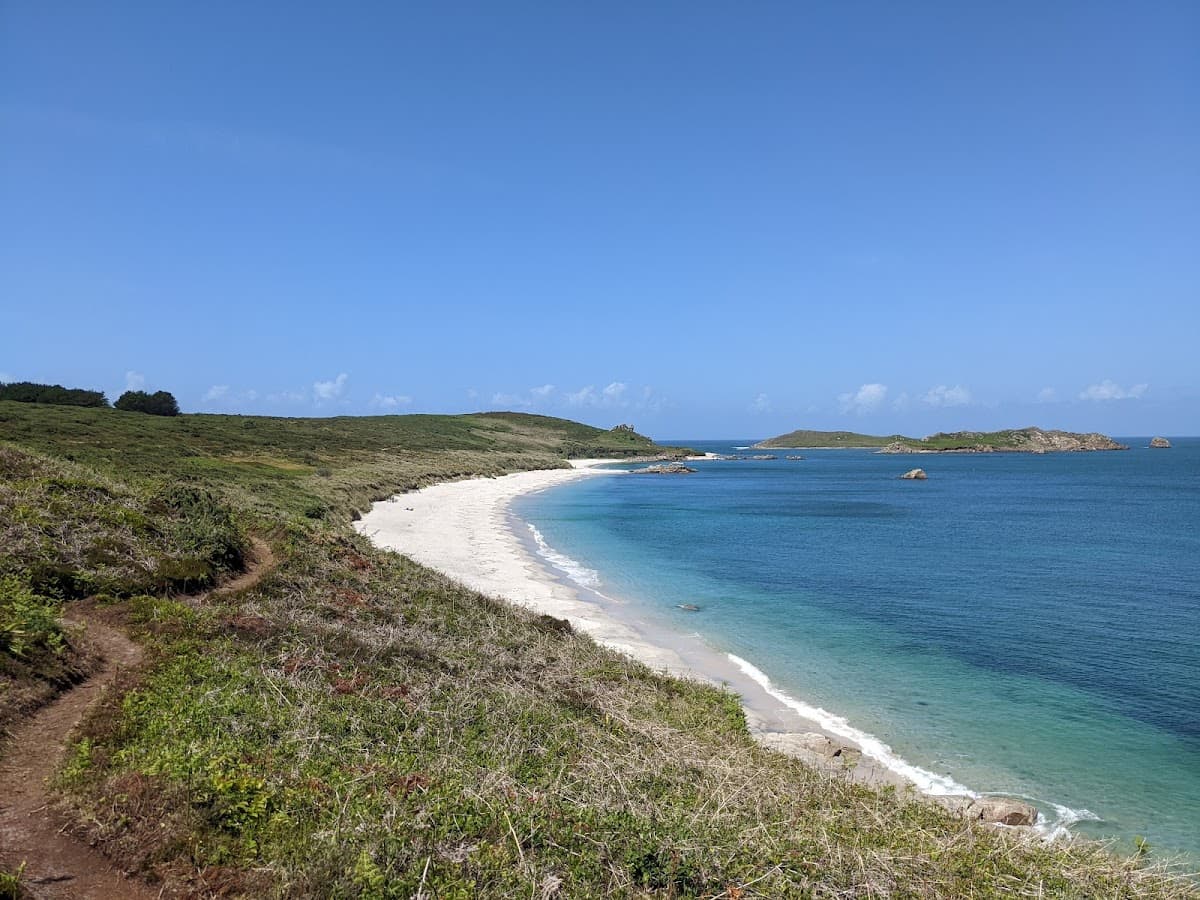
x: 30, y: 392
x: 160, y: 403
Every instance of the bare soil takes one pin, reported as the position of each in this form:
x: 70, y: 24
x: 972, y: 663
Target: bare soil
x: 33, y: 831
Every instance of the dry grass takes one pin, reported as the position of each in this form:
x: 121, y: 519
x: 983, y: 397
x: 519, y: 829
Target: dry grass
x: 381, y: 730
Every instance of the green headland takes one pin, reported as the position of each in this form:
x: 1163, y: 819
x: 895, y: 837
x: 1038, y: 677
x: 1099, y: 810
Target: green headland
x: 1012, y: 440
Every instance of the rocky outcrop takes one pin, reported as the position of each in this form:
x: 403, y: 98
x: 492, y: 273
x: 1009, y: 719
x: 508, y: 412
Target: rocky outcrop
x: 793, y: 457
x: 816, y: 749
x: 915, y: 475
x: 1160, y: 443
x: 901, y: 447
x: 1020, y: 440
x: 764, y: 456
x: 667, y: 469
x: 991, y: 810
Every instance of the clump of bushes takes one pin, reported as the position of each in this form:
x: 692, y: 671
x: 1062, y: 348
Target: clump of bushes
x: 29, y: 623
x: 68, y: 532
x: 160, y: 403
x: 29, y: 392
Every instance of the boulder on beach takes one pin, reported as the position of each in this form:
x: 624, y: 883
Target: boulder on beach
x: 1160, y: 443
x: 1001, y: 811
x: 816, y: 749
x: 915, y: 475
x: 990, y: 810
x: 830, y: 748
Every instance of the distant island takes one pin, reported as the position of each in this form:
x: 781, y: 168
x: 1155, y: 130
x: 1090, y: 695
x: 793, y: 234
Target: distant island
x: 1016, y: 440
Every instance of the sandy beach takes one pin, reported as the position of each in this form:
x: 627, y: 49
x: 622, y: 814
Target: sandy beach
x: 464, y: 530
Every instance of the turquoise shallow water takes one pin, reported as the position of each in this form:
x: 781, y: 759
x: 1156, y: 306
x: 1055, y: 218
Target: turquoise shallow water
x: 1021, y: 624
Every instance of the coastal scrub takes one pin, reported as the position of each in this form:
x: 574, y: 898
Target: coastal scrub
x: 355, y: 724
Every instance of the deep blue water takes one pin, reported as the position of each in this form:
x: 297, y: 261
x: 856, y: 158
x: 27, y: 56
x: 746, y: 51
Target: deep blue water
x: 1022, y: 624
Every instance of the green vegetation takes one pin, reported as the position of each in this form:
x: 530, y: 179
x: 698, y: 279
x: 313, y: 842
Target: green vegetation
x: 1011, y: 440
x: 355, y: 725
x: 160, y: 403
x: 803, y: 440
x: 28, y: 392
x: 10, y: 884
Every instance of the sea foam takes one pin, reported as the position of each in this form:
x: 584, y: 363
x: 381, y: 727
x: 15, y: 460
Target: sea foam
x: 926, y: 781
x: 1064, y: 818
x: 574, y: 570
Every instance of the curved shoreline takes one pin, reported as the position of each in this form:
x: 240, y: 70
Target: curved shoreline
x: 465, y: 530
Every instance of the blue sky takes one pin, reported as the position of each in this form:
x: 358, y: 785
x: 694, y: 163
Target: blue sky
x: 705, y: 219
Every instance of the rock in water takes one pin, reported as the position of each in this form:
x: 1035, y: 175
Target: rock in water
x: 1160, y: 443
x: 669, y: 469
x: 915, y: 475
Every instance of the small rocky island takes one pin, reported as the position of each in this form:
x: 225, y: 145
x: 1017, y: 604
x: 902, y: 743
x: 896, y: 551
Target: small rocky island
x: 664, y: 469
x: 1015, y: 440
x: 914, y: 475
x: 1160, y: 443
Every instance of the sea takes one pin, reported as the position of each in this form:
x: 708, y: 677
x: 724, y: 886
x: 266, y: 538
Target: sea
x: 1017, y: 624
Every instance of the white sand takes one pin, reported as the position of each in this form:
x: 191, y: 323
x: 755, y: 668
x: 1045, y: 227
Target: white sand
x: 462, y: 529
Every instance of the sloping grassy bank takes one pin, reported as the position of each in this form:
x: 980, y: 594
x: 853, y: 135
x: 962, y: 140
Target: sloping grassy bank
x: 358, y: 725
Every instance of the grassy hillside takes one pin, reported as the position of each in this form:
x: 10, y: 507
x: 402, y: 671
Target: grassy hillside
x: 312, y: 466
x: 356, y: 725
x: 804, y: 439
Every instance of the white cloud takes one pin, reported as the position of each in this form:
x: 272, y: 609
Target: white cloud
x: 901, y: 403
x: 1047, y: 395
x: 947, y: 396
x: 216, y: 392
x: 585, y: 396
x: 250, y: 394
x: 536, y: 397
x: 614, y: 392
x: 610, y: 396
x: 287, y: 397
x: 760, y: 404
x: 330, y: 390
x: 617, y: 394
x: 1108, y: 390
x: 866, y: 399
x: 510, y: 401
x: 472, y: 394
x: 134, y: 381
x: 390, y: 401
x: 5, y: 378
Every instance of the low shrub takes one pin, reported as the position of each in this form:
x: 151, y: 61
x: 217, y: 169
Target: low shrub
x: 29, y: 622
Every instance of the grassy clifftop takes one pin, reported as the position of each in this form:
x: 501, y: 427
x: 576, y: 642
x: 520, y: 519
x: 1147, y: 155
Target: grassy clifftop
x: 356, y: 725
